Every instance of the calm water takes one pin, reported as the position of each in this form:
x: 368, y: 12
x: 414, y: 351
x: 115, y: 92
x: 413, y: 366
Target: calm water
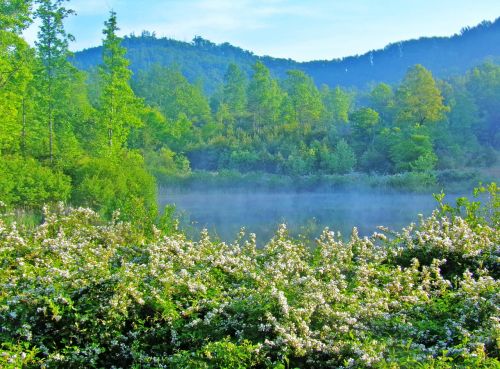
x: 224, y: 213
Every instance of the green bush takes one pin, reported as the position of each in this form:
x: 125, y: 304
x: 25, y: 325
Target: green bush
x: 107, y: 184
x: 25, y: 182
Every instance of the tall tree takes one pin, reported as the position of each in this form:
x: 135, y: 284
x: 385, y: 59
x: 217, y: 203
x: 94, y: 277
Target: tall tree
x: 381, y: 99
x: 304, y: 96
x: 169, y: 91
x: 231, y: 99
x: 52, y: 49
x: 483, y: 82
x: 15, y: 15
x: 264, y: 97
x: 16, y: 70
x: 365, y: 122
x: 234, y: 90
x: 338, y: 103
x: 119, y: 108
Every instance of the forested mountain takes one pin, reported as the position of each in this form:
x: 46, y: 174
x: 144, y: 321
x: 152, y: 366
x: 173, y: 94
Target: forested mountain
x: 206, y: 62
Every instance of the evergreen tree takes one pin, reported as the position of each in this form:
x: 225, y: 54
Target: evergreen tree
x: 483, y: 82
x: 169, y: 91
x: 15, y: 15
x: 234, y: 90
x: 119, y: 109
x: 338, y: 103
x: 344, y: 158
x: 304, y: 96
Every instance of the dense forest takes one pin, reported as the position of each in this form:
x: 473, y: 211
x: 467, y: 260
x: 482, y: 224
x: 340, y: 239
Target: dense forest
x: 93, y: 276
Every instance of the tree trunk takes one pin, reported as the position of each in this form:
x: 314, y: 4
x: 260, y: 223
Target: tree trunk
x: 23, y: 132
x: 51, y: 137
x: 110, y: 137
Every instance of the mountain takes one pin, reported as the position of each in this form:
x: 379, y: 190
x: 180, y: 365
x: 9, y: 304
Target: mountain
x: 205, y: 62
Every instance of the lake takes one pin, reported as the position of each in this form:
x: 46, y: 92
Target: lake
x: 305, y: 213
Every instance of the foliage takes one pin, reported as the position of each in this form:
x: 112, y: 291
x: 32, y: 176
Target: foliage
x: 118, y: 108
x: 203, y: 60
x: 418, y: 99
x: 28, y: 184
x: 80, y: 291
x: 103, y: 185
x: 113, y: 286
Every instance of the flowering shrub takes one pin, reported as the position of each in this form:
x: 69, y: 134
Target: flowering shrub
x: 79, y: 292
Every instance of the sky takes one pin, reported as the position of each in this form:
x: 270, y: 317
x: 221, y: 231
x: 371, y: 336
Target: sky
x: 301, y: 30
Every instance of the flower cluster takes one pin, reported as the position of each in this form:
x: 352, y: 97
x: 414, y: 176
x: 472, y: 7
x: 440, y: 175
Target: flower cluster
x: 81, y: 292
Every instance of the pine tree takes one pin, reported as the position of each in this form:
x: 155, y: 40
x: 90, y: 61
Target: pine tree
x: 119, y: 108
x: 234, y: 91
x: 304, y: 96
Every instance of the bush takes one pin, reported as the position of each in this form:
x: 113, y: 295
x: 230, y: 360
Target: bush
x: 343, y: 158
x: 107, y: 184
x: 24, y: 182
x: 412, y: 181
x: 82, y: 292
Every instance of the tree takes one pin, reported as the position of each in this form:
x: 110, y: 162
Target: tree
x: 381, y: 99
x: 304, y: 97
x: 412, y: 150
x: 343, y: 158
x: 119, y: 108
x: 15, y: 15
x: 483, y: 82
x: 169, y: 91
x: 418, y: 99
x: 264, y: 97
x: 234, y: 90
x: 337, y: 104
x: 52, y: 50
x: 364, y: 123
x: 16, y: 71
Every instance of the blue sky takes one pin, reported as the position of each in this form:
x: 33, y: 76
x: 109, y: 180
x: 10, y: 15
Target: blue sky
x: 301, y: 30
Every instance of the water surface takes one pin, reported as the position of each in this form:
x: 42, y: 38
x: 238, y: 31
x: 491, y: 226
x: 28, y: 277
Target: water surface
x: 306, y: 213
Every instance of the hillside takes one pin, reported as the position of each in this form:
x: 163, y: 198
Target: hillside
x: 205, y: 62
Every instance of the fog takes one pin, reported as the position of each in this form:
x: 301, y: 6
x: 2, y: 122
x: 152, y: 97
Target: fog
x: 224, y: 213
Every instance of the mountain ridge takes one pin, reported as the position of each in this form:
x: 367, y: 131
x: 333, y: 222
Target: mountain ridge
x: 206, y: 62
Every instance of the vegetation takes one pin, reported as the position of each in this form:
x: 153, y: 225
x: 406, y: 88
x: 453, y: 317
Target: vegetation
x: 55, y: 143
x: 109, y: 283
x: 68, y: 134
x: 79, y: 291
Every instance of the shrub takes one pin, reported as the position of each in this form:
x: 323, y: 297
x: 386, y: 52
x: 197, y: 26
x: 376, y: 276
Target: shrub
x: 24, y: 182
x: 107, y: 184
x: 79, y: 291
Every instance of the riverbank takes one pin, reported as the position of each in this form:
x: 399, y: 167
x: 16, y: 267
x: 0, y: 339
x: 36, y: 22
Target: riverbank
x: 451, y: 181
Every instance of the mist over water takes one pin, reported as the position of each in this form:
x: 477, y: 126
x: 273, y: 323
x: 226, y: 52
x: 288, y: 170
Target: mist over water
x: 224, y: 213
